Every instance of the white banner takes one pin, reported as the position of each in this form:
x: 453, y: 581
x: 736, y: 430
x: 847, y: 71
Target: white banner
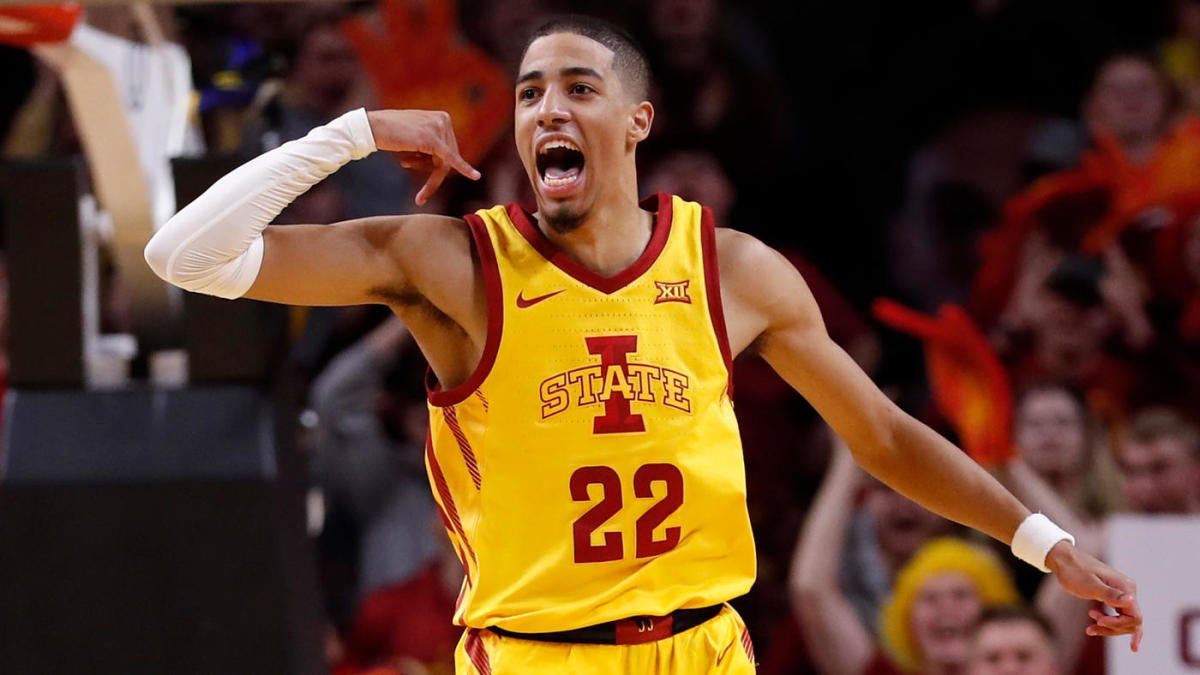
x: 1161, y: 553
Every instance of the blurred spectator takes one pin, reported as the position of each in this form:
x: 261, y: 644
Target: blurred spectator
x: 888, y: 528
x: 409, y: 624
x: 1143, y: 154
x: 1080, y: 321
x: 1159, y: 458
x: 1060, y: 440
x: 692, y: 172
x: 1175, y: 273
x: 954, y: 189
x: 501, y: 26
x: 1013, y: 641
x: 324, y: 80
x: 1132, y: 103
x: 925, y: 623
x: 711, y: 86
x: 367, y: 457
x: 1181, y: 51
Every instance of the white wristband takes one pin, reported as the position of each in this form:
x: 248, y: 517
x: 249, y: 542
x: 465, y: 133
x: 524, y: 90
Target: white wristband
x: 1034, y: 538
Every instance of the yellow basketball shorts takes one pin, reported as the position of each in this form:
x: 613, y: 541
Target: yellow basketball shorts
x: 719, y: 646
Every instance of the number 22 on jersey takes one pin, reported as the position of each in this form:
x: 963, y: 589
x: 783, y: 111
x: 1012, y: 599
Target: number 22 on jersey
x: 612, y: 546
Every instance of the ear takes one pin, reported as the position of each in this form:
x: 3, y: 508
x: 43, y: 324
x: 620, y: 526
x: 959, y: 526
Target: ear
x: 640, y: 120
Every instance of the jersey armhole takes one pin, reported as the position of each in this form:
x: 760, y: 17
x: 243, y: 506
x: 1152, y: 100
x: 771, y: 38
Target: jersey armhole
x: 495, y: 321
x: 712, y: 286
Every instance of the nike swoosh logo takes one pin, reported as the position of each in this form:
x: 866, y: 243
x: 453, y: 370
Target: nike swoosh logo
x: 722, y: 656
x: 526, y: 303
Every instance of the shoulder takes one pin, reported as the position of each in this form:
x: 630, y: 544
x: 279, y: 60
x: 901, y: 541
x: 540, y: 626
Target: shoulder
x: 750, y: 267
x: 760, y: 286
x: 738, y: 249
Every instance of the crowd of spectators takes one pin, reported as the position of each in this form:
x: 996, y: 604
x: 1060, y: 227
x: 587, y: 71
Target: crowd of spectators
x: 1070, y: 234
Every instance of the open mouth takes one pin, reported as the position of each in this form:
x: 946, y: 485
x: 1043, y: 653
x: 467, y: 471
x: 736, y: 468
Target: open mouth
x: 560, y: 163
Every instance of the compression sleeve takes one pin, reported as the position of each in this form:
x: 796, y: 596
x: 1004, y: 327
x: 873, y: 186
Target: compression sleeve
x: 215, y: 245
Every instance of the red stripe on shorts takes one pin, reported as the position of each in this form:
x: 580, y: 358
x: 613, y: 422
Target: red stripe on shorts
x: 748, y: 645
x: 464, y: 445
x: 477, y: 653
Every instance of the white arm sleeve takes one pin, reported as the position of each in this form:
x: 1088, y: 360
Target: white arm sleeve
x: 214, y: 245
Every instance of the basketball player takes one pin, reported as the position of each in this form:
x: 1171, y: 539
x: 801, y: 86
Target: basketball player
x: 583, y: 447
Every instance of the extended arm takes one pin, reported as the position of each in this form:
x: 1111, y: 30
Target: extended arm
x: 837, y: 640
x: 768, y: 295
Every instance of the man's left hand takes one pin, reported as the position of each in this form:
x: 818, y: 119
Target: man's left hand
x: 1086, y: 577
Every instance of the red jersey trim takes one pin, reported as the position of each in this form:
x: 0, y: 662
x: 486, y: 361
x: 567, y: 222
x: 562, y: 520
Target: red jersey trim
x: 712, y: 287
x: 464, y: 445
x: 446, y: 507
x: 661, y: 203
x: 495, y: 321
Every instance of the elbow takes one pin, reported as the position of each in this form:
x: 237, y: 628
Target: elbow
x: 804, y: 591
x: 203, y: 269
x: 158, y: 256
x: 811, y: 585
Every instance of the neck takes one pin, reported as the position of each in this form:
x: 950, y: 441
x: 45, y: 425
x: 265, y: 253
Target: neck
x: 1138, y: 148
x: 611, y: 237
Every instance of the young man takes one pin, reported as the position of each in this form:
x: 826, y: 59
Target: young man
x: 1159, y: 458
x: 584, y: 450
x: 1013, y: 641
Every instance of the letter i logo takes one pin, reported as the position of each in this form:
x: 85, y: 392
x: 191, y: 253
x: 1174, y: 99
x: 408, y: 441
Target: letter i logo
x: 614, y: 352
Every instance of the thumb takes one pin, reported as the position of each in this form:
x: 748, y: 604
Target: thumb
x: 1118, y: 592
x: 1112, y: 596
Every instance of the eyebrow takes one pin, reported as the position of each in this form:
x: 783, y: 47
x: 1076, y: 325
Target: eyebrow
x: 572, y: 71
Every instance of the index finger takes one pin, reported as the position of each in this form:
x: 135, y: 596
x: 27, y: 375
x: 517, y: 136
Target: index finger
x: 456, y: 162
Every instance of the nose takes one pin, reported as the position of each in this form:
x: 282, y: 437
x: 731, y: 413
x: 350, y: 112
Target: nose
x: 552, y: 110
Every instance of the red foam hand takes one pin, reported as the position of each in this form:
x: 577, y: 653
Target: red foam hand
x: 416, y: 60
x: 970, y: 386
x: 29, y: 25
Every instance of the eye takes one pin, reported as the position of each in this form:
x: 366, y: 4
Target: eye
x: 527, y: 94
x: 580, y: 89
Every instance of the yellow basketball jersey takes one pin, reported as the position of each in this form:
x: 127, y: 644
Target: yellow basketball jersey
x: 591, y: 468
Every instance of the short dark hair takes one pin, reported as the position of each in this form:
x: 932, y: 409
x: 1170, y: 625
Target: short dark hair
x: 629, y: 59
x: 1015, y: 614
x: 1151, y: 424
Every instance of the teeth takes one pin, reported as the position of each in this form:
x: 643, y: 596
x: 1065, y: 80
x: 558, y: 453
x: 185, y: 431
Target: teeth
x: 558, y: 182
x: 558, y: 144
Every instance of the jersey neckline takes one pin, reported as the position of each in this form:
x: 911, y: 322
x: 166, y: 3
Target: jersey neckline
x: 659, y: 202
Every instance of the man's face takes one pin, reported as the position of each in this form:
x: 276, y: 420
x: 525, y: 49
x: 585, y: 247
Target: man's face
x: 326, y: 67
x: 1015, y: 647
x: 576, y: 126
x: 1050, y: 432
x: 1159, y: 476
x: 947, y: 606
x: 1128, y: 100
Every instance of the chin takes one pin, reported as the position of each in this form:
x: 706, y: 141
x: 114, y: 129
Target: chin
x: 562, y: 218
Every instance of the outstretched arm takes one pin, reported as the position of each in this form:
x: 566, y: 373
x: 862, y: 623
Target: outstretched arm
x: 220, y: 243
x: 772, y: 303
x: 837, y: 640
